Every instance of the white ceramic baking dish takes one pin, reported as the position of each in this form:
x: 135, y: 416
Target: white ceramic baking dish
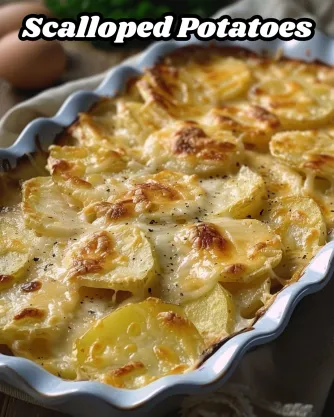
x: 85, y: 399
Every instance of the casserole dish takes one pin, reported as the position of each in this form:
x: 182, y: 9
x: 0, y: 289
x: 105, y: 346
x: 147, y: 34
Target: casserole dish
x: 64, y: 395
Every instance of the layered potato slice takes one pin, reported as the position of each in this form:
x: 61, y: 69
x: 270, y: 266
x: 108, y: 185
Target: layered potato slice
x: 286, y: 68
x: 97, y: 127
x: 279, y: 179
x: 192, y: 148
x: 37, y: 310
x: 239, y: 196
x: 159, y: 197
x: 311, y: 152
x: 189, y: 91
x: 253, y: 123
x: 226, y: 250
x: 119, y: 122
x: 137, y: 120
x: 322, y: 192
x: 92, y: 304
x: 139, y: 343
x: 118, y: 258
x: 213, y: 314
x: 297, y: 103
x: 93, y: 129
x: 47, y: 211
x: 248, y: 298
x: 77, y: 161
x: 15, y: 248
x: 311, y: 72
x: 86, y: 173
x: 299, y: 223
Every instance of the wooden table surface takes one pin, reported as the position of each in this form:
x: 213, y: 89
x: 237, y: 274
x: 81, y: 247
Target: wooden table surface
x: 83, y: 60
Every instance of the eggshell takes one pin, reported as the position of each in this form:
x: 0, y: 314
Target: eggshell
x: 30, y: 64
x: 11, y: 15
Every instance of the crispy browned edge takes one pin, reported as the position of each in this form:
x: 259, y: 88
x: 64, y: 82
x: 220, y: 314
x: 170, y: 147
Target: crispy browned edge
x: 183, y: 54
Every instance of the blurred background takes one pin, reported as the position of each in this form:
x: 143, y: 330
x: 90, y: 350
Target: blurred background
x: 47, y: 63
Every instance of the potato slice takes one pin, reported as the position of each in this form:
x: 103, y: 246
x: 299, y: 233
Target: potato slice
x: 322, y: 192
x: 28, y: 313
x: 238, y: 196
x: 299, y: 223
x: 226, y: 250
x: 311, y: 72
x: 216, y: 80
x: 213, y: 314
x: 46, y: 211
x: 90, y: 130
x: 86, y: 173
x: 118, y: 257
x: 139, y: 343
x: 15, y: 244
x: 190, y: 92
x: 164, y: 197
x: 326, y: 204
x: 250, y: 297
x: 120, y: 122
x: 253, y: 123
x: 279, y: 179
x: 297, y: 103
x: 97, y: 127
x: 311, y: 152
x: 137, y: 120
x: 57, y: 358
x: 77, y: 161
x: 191, y: 148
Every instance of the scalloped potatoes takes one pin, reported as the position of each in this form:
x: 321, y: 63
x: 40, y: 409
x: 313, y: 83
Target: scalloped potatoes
x: 170, y: 217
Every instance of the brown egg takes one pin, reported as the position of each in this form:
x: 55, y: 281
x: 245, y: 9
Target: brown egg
x: 30, y: 64
x: 11, y: 15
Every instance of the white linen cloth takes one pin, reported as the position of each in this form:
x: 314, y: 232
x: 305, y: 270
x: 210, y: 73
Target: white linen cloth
x: 291, y: 376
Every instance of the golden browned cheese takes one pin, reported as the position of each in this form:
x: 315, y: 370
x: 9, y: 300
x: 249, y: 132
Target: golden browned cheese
x: 165, y: 219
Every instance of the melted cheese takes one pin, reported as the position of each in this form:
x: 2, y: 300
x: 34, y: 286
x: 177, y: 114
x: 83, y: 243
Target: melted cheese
x: 46, y: 210
x: 299, y: 223
x: 119, y: 258
x: 226, y: 250
x: 190, y: 90
x: 298, y: 104
x: 311, y: 152
x: 159, y: 197
x: 30, y: 312
x: 191, y: 148
x: 87, y: 174
x: 238, y: 196
x: 253, y: 123
x: 284, y: 68
x: 279, y: 179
